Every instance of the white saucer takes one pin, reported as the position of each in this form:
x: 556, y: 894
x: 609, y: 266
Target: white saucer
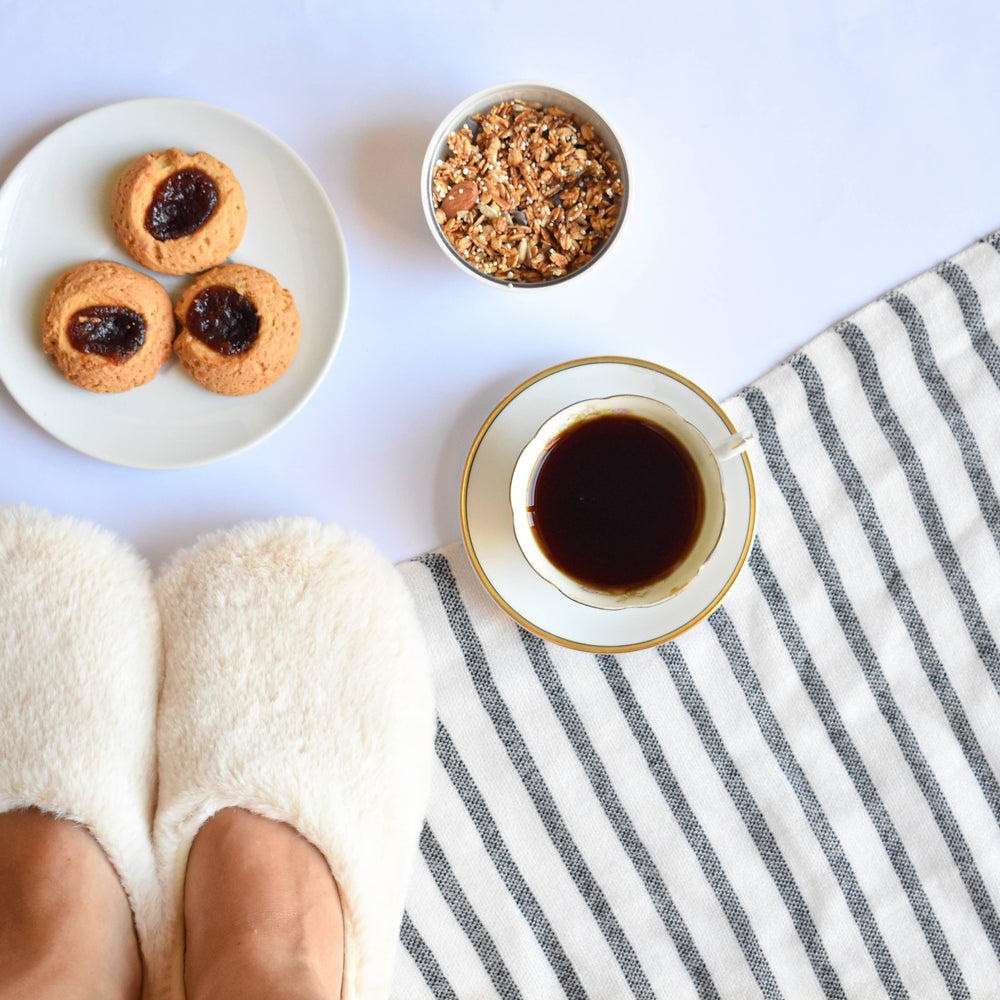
x: 488, y: 530
x: 55, y: 210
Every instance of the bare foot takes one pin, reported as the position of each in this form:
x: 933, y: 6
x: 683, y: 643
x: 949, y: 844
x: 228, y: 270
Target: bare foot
x: 262, y: 913
x: 65, y: 924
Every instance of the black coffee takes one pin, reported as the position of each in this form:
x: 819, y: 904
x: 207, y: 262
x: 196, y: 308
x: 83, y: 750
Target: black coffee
x: 616, y: 502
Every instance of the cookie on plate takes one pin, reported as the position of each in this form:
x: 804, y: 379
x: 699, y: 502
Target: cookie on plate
x: 239, y: 330
x: 107, y: 326
x: 178, y: 214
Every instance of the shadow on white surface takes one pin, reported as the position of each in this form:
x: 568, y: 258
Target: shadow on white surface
x: 387, y: 184
x: 454, y: 448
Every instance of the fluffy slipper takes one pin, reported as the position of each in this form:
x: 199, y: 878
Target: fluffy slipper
x: 297, y: 687
x: 80, y: 659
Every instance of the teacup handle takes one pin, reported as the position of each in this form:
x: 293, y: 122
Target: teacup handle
x: 734, y: 445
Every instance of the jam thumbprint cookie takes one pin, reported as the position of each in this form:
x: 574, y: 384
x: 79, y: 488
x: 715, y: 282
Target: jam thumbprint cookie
x: 239, y: 330
x: 108, y: 327
x: 178, y: 214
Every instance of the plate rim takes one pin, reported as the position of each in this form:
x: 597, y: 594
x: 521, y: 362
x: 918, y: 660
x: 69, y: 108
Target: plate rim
x: 467, y: 536
x: 200, y: 106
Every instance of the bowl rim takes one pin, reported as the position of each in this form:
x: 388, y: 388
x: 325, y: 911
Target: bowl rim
x: 480, y: 101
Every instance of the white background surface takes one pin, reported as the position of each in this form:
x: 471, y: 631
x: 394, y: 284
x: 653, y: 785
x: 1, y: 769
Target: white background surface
x: 790, y: 161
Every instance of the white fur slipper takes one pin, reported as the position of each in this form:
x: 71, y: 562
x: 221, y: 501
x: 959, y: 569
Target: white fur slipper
x: 80, y: 659
x: 297, y: 687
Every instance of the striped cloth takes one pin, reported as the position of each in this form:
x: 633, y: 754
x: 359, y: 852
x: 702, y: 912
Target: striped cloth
x: 797, y: 798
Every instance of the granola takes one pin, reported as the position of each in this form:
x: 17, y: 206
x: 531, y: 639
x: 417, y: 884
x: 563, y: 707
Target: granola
x: 528, y: 192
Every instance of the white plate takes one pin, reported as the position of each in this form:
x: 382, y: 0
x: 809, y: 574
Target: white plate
x: 55, y: 213
x: 487, y: 525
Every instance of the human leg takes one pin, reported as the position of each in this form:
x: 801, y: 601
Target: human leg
x: 297, y: 690
x: 262, y: 913
x: 66, y: 929
x: 80, y: 658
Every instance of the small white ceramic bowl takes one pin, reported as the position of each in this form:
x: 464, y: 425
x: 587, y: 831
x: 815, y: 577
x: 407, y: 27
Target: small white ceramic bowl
x: 706, y: 460
x: 437, y: 149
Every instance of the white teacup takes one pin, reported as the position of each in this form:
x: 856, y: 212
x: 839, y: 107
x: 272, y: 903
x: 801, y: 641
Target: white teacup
x: 706, y: 461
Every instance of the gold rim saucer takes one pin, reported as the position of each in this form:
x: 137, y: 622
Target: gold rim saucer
x: 646, y: 621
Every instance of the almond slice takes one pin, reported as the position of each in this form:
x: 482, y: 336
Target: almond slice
x: 460, y: 198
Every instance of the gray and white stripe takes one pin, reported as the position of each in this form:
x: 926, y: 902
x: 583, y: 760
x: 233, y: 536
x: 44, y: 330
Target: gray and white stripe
x: 798, y: 798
